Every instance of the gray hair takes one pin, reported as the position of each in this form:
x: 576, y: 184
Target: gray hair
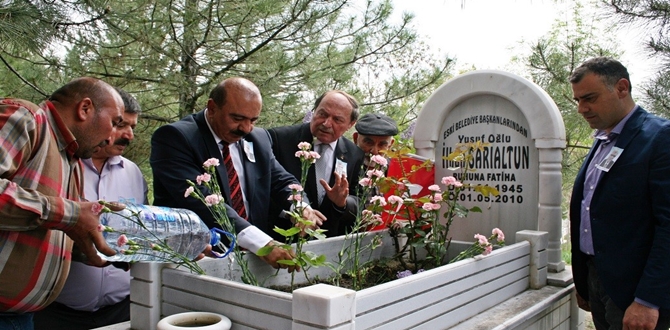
x: 352, y: 100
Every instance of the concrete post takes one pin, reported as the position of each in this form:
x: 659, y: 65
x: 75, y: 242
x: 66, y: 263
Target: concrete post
x: 538, y: 255
x: 339, y: 305
x: 145, y: 296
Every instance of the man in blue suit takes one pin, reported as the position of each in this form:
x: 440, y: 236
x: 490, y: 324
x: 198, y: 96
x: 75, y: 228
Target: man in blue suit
x: 620, y: 206
x: 178, y: 151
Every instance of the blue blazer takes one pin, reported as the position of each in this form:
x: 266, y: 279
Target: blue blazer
x: 630, y: 217
x: 285, y: 144
x: 178, y: 151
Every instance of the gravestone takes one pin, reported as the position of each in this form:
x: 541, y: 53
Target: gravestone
x: 525, y: 133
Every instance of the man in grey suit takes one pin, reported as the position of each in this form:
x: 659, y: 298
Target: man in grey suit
x: 178, y: 151
x: 333, y: 182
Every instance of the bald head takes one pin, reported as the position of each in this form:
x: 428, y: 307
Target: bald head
x: 90, y: 108
x: 237, y: 85
x: 84, y: 87
x: 233, y: 108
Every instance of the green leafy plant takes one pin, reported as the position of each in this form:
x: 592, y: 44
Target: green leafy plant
x: 423, y: 226
x: 354, y: 247
x: 303, y: 229
x: 216, y: 204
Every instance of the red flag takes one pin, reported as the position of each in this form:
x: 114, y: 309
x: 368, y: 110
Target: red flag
x: 419, y: 171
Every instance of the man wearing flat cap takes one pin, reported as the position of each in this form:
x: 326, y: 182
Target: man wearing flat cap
x: 374, y: 133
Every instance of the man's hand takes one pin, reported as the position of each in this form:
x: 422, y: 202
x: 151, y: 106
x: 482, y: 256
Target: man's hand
x: 279, y: 254
x: 339, y: 192
x: 206, y: 253
x: 582, y: 303
x: 639, y: 316
x: 87, y: 237
x: 316, y: 217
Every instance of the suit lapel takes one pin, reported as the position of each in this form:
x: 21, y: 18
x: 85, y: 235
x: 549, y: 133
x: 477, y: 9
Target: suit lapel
x: 212, y: 150
x: 632, y: 128
x: 250, y: 172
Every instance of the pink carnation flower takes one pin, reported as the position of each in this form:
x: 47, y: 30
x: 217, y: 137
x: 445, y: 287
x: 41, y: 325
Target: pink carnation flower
x: 295, y: 186
x: 100, y: 228
x: 434, y: 188
x: 122, y: 240
x: 430, y: 206
x: 379, y: 159
x: 451, y: 181
x: 375, y: 173
x: 304, y: 146
x: 97, y: 208
x: 371, y: 218
x: 437, y: 197
x: 393, y: 199
x: 188, y: 191
x: 365, y: 182
x: 296, y: 197
x: 380, y: 199
x: 499, y: 233
x: 483, y: 241
x: 487, y: 250
x: 203, y: 178
x: 210, y: 162
x: 213, y: 199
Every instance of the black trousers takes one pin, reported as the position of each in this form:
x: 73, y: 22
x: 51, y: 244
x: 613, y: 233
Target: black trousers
x: 60, y: 317
x: 606, y: 315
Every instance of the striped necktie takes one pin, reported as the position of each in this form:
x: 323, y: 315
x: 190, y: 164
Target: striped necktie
x: 236, y: 197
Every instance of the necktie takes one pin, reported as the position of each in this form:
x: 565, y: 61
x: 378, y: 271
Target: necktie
x: 321, y: 167
x: 236, y: 197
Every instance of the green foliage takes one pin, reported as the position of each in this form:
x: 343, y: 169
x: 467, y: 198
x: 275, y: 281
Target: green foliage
x: 169, y: 55
x: 654, y: 17
x: 304, y: 229
x: 425, y: 229
x: 551, y: 62
x: 25, y: 25
x: 218, y: 209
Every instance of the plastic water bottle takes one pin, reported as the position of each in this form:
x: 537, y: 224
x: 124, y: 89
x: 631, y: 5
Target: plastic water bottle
x: 182, y: 230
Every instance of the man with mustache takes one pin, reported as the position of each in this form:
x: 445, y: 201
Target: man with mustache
x: 374, y: 133
x: 95, y: 297
x: 40, y: 192
x: 225, y: 131
x: 333, y: 182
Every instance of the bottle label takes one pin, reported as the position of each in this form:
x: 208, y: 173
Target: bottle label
x: 157, y: 213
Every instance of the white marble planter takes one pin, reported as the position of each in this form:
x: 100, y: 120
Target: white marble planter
x: 194, y: 321
x: 435, y: 299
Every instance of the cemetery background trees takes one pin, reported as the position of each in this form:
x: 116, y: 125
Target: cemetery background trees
x: 171, y: 53
x: 654, y: 17
x: 552, y: 60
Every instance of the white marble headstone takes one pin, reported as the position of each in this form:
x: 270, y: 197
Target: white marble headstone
x: 523, y: 161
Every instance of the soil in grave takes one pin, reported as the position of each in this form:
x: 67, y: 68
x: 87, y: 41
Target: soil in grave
x: 381, y: 271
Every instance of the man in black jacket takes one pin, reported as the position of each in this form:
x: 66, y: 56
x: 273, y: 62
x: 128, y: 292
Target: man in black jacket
x: 332, y: 182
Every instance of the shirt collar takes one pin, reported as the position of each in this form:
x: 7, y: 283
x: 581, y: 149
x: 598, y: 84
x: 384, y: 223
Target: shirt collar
x: 111, y: 161
x: 332, y: 144
x: 65, y: 139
